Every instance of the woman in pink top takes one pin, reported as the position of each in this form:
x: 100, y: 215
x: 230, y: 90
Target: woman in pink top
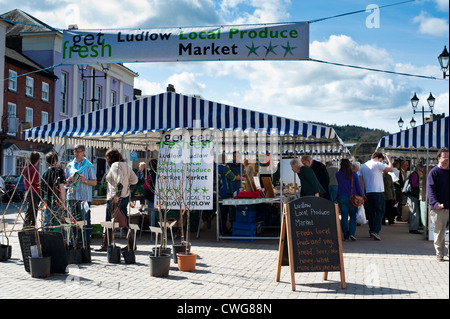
x: 31, y: 183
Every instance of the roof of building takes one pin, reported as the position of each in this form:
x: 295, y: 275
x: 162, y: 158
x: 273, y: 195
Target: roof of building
x: 19, y: 57
x: 23, y: 22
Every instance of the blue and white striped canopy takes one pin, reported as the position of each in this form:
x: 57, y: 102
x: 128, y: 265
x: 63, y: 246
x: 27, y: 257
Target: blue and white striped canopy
x: 169, y: 111
x: 429, y: 135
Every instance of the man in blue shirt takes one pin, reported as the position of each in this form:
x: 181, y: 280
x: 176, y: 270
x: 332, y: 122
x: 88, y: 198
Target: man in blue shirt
x: 81, y: 176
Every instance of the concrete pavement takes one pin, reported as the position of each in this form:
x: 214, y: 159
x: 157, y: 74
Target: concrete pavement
x: 400, y: 266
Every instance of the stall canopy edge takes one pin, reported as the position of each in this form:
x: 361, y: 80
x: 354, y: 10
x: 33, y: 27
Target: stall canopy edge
x: 142, y: 121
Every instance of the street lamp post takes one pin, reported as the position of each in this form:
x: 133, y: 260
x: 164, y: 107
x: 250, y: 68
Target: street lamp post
x: 82, y: 68
x: 443, y: 61
x: 400, y: 123
x: 415, y: 102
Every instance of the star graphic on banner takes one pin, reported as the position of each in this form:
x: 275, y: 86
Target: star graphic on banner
x: 270, y: 48
x: 196, y: 190
x: 205, y: 190
x: 288, y: 49
x: 252, y: 49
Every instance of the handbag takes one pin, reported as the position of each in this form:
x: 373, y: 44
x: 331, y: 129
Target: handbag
x: 355, y: 200
x: 117, y: 214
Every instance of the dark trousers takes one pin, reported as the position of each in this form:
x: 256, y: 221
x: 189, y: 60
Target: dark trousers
x: 375, y: 207
x: 32, y: 209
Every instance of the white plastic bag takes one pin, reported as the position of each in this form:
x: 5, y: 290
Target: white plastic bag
x: 361, y: 215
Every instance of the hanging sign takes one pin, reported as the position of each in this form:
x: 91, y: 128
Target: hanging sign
x: 185, y: 172
x: 288, y: 41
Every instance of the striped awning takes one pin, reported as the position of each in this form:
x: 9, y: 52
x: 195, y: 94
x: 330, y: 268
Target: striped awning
x: 134, y: 123
x: 429, y: 135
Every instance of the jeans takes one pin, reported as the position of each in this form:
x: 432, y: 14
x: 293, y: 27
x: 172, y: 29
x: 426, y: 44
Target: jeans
x: 333, y: 189
x: 375, y: 207
x: 348, y: 227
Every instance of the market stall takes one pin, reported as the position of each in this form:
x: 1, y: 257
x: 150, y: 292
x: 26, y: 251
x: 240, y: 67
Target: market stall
x: 419, y: 145
x: 140, y: 125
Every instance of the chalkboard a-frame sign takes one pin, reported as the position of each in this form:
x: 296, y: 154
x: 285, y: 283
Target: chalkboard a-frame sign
x: 311, y: 227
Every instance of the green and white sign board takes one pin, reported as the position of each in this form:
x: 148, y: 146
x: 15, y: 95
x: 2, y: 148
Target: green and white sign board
x: 185, y: 172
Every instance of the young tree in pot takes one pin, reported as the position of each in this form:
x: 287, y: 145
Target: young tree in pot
x: 184, y: 191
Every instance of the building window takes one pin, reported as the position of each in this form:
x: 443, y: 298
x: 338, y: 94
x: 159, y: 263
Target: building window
x: 113, y: 98
x: 29, y: 115
x: 20, y: 165
x: 29, y: 91
x: 44, y: 118
x: 82, y: 97
x: 12, y: 82
x: 98, y: 97
x: 12, y: 119
x: 45, y: 91
x: 64, y: 93
x: 125, y: 99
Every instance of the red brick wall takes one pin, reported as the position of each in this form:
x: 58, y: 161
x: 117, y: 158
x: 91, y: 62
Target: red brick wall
x: 22, y: 100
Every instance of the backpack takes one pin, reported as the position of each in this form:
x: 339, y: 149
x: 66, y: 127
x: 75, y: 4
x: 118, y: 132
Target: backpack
x: 408, y: 190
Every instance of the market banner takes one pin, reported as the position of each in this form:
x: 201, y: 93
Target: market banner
x: 185, y: 171
x: 289, y: 41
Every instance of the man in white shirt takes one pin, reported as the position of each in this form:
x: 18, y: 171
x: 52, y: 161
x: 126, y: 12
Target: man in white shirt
x: 373, y: 186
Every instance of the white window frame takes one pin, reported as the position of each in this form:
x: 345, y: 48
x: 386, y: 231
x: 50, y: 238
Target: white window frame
x: 29, y: 90
x: 64, y: 92
x: 98, y: 97
x: 113, y: 97
x: 45, y: 92
x: 82, y: 97
x: 12, y: 112
x: 29, y: 115
x: 12, y: 81
x: 44, y: 117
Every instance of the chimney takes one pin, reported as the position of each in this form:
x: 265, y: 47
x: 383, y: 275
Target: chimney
x: 170, y: 88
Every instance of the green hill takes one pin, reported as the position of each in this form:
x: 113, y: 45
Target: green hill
x: 357, y: 134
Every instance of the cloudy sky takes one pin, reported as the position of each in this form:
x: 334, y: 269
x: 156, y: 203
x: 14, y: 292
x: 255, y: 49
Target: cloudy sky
x: 406, y: 38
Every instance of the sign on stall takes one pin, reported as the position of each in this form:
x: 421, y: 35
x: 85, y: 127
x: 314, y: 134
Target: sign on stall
x: 185, y: 172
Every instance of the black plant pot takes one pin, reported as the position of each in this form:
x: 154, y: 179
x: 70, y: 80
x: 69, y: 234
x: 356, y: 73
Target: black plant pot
x: 74, y: 255
x: 159, y: 265
x: 86, y: 255
x: 129, y: 257
x: 165, y: 251
x: 3, y: 252
x: 113, y: 253
x: 177, y: 249
x: 40, y: 267
x: 9, y: 253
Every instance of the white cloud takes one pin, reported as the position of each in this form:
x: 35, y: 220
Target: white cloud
x: 430, y: 25
x: 148, y: 87
x: 258, y: 11
x: 442, y: 5
x: 311, y: 91
x: 186, y: 83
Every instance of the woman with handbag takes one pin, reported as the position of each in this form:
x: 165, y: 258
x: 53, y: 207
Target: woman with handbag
x: 119, y: 179
x: 348, y: 185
